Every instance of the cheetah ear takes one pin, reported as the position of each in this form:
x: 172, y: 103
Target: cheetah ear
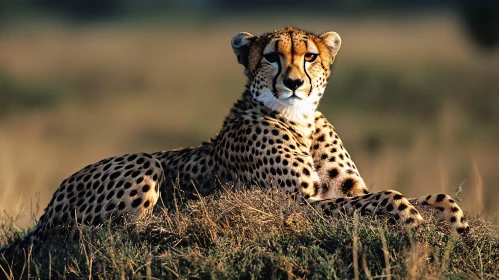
x: 241, y: 43
x: 332, y: 41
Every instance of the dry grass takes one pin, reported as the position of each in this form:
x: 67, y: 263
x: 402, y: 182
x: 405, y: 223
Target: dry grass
x: 263, y: 234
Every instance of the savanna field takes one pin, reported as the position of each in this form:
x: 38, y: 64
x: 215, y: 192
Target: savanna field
x: 414, y: 100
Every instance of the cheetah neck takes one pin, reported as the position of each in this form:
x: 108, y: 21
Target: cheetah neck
x: 293, y: 109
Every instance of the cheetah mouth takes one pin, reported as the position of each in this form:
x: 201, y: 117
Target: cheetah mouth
x: 292, y: 95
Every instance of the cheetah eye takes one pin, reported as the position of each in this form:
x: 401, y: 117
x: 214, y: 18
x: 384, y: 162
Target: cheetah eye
x: 271, y: 57
x: 310, y: 57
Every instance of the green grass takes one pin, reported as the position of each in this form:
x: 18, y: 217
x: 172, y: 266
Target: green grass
x: 262, y: 234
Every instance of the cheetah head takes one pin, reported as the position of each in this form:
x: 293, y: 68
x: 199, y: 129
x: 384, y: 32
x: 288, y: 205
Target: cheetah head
x: 287, y: 69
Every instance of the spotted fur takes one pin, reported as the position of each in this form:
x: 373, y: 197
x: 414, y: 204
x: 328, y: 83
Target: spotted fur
x: 273, y: 136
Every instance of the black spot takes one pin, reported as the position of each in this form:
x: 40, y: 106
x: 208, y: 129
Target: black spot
x: 402, y: 207
x: 275, y: 132
x: 145, y: 188
x: 440, y: 197
x: 110, y: 195
x: 120, y: 193
x: 110, y: 207
x: 389, y: 208
x: 86, y: 178
x: 131, y: 157
x: 133, y: 192
x: 347, y: 186
x: 118, y: 159
x: 397, y: 197
x: 306, y: 171
x: 453, y: 219
x: 121, y: 205
x: 146, y: 204
x: 136, y: 202
x: 110, y: 185
x: 135, y: 173
x: 107, y: 166
x: 130, y: 166
x: 454, y: 209
x: 321, y: 138
x: 333, y: 173
x: 384, y: 202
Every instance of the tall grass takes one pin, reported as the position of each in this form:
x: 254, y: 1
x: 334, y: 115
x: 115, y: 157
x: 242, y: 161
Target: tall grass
x: 256, y: 234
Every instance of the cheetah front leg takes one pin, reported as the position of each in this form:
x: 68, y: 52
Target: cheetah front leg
x: 389, y: 202
x: 340, y: 178
x: 338, y: 174
x: 448, y: 209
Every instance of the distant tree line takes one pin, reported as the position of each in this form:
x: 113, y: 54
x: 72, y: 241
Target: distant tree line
x: 480, y: 17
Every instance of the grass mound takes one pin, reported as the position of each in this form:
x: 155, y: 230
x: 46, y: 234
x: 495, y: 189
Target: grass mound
x: 261, y: 234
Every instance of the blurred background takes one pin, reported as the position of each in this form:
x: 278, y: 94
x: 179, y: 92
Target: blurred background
x: 414, y: 91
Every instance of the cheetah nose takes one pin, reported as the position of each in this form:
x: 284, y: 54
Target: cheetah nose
x: 293, y: 84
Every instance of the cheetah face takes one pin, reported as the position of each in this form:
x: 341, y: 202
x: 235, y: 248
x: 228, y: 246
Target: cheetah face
x: 287, y: 69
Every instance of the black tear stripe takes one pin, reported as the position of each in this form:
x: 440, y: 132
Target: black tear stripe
x: 274, y: 89
x: 306, y: 73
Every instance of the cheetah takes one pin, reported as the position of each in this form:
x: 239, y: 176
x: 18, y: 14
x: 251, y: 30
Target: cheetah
x: 273, y: 136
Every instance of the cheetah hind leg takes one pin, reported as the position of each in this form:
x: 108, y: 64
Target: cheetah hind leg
x: 389, y: 202
x: 449, y: 211
x: 114, y: 188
